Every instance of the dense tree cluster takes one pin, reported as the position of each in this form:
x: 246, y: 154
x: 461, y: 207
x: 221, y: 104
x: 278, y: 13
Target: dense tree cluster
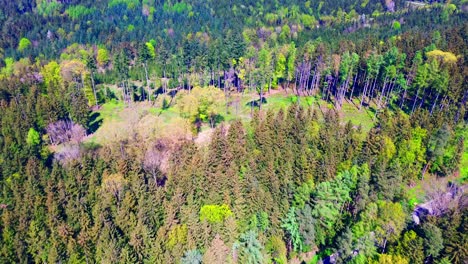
x: 285, y: 184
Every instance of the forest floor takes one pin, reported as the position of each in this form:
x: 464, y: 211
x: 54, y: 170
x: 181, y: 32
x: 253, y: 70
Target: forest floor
x: 116, y: 121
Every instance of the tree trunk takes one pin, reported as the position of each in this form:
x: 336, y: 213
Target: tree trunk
x: 435, y: 102
x: 403, y: 98
x: 382, y: 93
x: 415, y: 100
x: 94, y: 88
x: 354, y: 84
x: 147, y: 80
x: 364, y: 93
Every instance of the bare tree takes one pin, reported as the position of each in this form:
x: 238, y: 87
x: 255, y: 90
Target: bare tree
x: 155, y: 160
x: 443, y: 196
x: 68, y: 153
x: 65, y: 131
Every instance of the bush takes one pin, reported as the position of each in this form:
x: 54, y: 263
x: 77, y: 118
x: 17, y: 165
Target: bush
x: 214, y: 213
x: 33, y: 137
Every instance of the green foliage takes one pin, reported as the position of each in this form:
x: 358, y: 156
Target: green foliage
x: 291, y: 227
x: 7, y: 71
x: 277, y: 250
x: 102, y: 57
x: 249, y: 249
x: 48, y: 8
x: 130, y: 4
x: 329, y: 198
x: 177, y: 235
x: 433, y: 240
x: 51, y: 74
x: 299, y: 182
x: 200, y: 104
x: 79, y: 11
x: 410, y: 246
x: 33, y: 137
x: 151, y: 50
x: 178, y: 7
x: 214, y: 213
x: 24, y: 44
x: 390, y: 222
x: 192, y: 257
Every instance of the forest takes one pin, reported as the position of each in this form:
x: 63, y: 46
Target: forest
x: 282, y: 131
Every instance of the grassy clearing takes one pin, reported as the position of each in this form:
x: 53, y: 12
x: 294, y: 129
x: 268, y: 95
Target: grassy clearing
x: 365, y: 117
x: 119, y: 121
x: 109, y: 111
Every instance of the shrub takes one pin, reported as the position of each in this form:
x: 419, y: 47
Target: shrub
x: 214, y: 213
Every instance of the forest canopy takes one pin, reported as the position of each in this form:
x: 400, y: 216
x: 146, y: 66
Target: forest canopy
x: 148, y: 131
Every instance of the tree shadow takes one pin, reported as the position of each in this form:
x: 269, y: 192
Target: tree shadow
x: 215, y: 120
x: 95, y: 122
x: 91, y: 146
x: 256, y: 103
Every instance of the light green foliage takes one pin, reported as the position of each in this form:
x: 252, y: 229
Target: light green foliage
x: 263, y: 221
x: 177, y: 235
x: 396, y: 25
x: 445, y: 260
x: 33, y: 137
x: 36, y: 235
x: 24, y: 44
x: 88, y: 89
x: 277, y: 250
x: 308, y: 21
x: 390, y: 259
x: 7, y: 71
x: 130, y: 28
x: 280, y: 68
x: 131, y: 4
x: 412, y: 153
x: 410, y: 246
x: 79, y: 11
x: 291, y: 60
x: 367, y: 220
x: 390, y: 222
x: 285, y: 32
x: 51, y: 74
x: 464, y: 158
x: 265, y: 70
x: 389, y: 149
x: 291, y: 227
x: 302, y: 194
x: 214, y: 213
x: 200, y: 103
x: 102, y: 57
x: 152, y: 52
x: 329, y: 198
x: 48, y: 7
x: 178, y: 7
